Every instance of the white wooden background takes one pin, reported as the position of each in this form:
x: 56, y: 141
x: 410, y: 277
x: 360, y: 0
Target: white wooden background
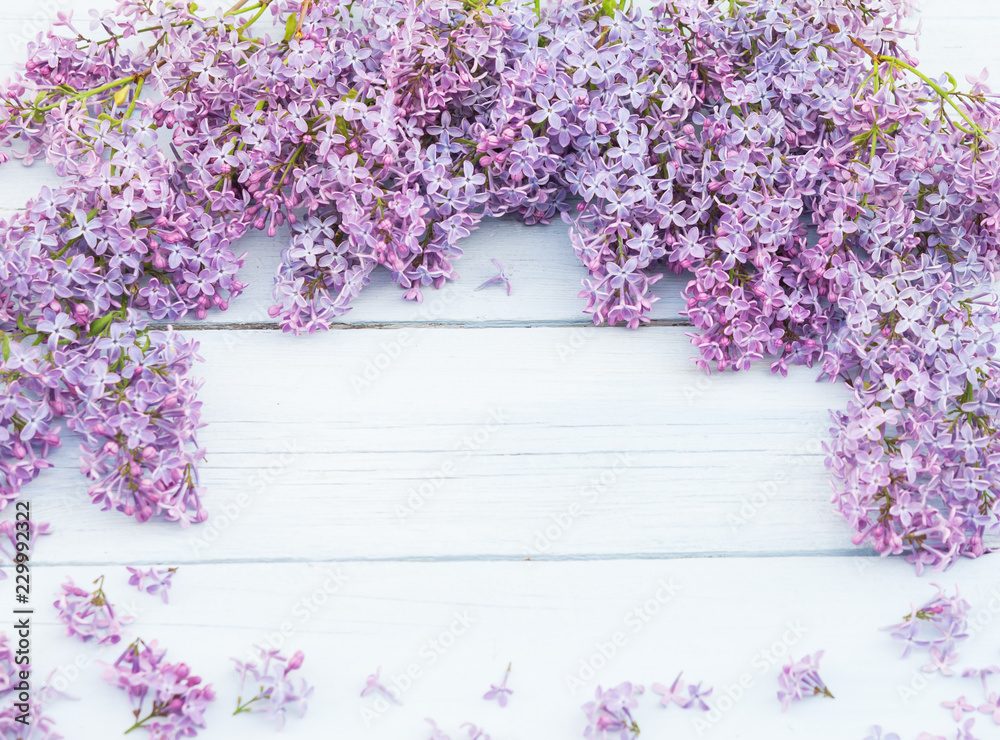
x: 506, y: 411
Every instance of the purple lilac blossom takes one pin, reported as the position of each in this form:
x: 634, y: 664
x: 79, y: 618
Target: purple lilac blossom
x: 878, y: 734
x: 153, y: 580
x: 373, y: 684
x: 274, y: 689
x: 500, y: 278
x: 501, y: 692
x: 673, y: 693
x: 982, y: 673
x: 938, y: 626
x: 89, y: 614
x: 475, y: 733
x: 800, y: 679
x: 436, y: 732
x: 610, y: 715
x: 991, y: 707
x: 167, y: 700
x: 958, y: 707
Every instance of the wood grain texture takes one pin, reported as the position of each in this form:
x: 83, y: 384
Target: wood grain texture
x: 503, y: 414
x: 444, y: 443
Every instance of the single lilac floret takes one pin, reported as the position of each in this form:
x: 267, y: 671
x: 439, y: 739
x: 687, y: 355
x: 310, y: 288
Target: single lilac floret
x: 501, y: 692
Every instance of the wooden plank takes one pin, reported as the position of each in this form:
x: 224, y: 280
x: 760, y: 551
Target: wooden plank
x: 481, y: 443
x: 717, y: 620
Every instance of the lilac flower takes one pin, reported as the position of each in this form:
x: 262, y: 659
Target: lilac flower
x: 877, y: 734
x: 992, y: 707
x: 275, y: 691
x: 696, y: 697
x: 475, y: 733
x: 436, y: 732
x: 501, y: 692
x: 88, y: 615
x: 958, y: 707
x: 374, y: 685
x: 609, y: 715
x: 501, y: 277
x: 176, y: 700
x: 965, y: 731
x: 941, y: 660
x: 938, y: 625
x: 153, y: 580
x: 673, y: 693
x: 800, y: 679
x: 982, y: 673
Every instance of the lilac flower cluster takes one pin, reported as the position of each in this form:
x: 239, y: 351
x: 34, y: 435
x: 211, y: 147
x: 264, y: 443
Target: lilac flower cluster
x: 800, y: 679
x: 89, y: 614
x: 274, y: 689
x: 167, y: 700
x: 937, y: 626
x: 610, y: 715
x: 832, y: 205
x: 153, y: 580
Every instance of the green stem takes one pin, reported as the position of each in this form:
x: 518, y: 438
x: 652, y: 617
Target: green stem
x: 135, y: 98
x: 88, y: 93
x: 240, y: 9
x: 139, y: 724
x: 243, y: 707
x: 260, y: 12
x: 945, y: 95
x: 291, y: 163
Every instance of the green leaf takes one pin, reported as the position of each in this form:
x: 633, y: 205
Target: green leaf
x: 23, y: 326
x: 6, y: 347
x: 290, y: 25
x: 96, y: 327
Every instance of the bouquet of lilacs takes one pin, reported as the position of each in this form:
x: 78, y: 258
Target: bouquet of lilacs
x: 832, y: 205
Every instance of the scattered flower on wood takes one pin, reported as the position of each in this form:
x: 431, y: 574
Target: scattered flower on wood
x: 939, y: 625
x: 89, y: 614
x: 373, y: 685
x: 275, y: 689
x: 610, y: 714
x: 800, y: 679
x: 501, y: 693
x: 153, y: 580
x: 167, y: 699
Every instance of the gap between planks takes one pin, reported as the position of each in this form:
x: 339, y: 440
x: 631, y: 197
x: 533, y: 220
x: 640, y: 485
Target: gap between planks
x: 486, y: 558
